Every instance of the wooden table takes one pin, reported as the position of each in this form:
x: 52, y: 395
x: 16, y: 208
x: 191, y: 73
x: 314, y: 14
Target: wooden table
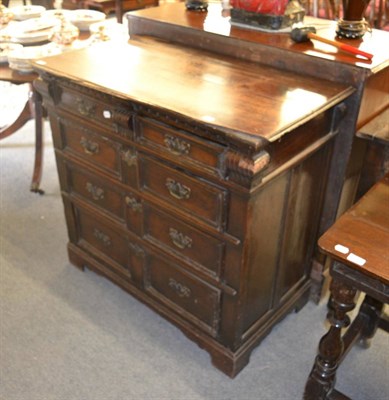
x: 358, y: 244
x: 32, y: 110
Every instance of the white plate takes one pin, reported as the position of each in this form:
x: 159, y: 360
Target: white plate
x: 6, y: 48
x: 34, y: 30
x: 57, y: 13
x: 25, y: 12
x: 84, y: 18
x: 20, y: 59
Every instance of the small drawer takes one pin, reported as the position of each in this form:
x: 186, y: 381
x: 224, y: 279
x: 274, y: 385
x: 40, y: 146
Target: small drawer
x: 94, y: 148
x: 195, y: 196
x: 184, y: 241
x: 188, y: 296
x: 108, y: 113
x: 184, y: 147
x: 96, y: 190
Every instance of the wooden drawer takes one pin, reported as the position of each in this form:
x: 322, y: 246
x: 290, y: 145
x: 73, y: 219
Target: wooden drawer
x: 104, y: 113
x: 190, y: 244
x: 197, y: 197
x: 97, y: 236
x: 96, y: 190
x: 179, y: 145
x: 106, y: 196
x: 89, y: 145
x: 188, y: 296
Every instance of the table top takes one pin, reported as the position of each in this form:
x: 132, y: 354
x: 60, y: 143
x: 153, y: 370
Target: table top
x: 360, y: 237
x: 213, y: 30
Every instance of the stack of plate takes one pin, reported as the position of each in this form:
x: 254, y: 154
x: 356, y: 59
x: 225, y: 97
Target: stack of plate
x: 84, y: 18
x: 25, y: 12
x: 6, y: 48
x: 30, y: 31
x: 20, y: 59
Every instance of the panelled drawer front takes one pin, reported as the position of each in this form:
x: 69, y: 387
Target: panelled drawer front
x: 92, y: 147
x: 106, y: 240
x: 193, y: 195
x: 173, y: 142
x: 97, y: 191
x: 106, y: 113
x: 183, y: 240
x: 188, y: 296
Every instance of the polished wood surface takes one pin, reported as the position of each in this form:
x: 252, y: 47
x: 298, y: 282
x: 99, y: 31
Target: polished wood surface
x: 364, y: 229
x: 361, y: 264
x: 218, y: 91
x: 216, y: 24
x: 195, y: 181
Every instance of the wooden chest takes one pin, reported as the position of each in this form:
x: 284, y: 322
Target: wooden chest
x: 193, y: 181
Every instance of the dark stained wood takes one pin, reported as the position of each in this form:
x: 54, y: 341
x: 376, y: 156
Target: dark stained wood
x: 364, y: 231
x: 242, y: 155
x: 214, y: 214
x: 212, y: 31
x: 220, y: 92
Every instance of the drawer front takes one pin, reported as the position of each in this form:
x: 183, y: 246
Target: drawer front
x: 92, y: 147
x: 184, y: 293
x: 96, y: 191
x: 185, y: 148
x: 103, y: 241
x: 184, y: 241
x: 107, y: 113
x: 197, y: 197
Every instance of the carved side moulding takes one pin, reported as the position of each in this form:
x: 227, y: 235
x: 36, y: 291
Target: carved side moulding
x: 246, y: 170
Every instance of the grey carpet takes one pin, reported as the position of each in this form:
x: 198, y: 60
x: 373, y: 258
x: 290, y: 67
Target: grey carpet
x: 72, y: 335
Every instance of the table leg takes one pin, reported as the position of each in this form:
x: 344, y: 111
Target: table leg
x: 26, y: 114
x: 37, y: 173
x: 32, y: 109
x: 321, y: 381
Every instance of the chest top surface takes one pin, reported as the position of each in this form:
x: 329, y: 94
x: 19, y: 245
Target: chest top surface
x: 247, y: 101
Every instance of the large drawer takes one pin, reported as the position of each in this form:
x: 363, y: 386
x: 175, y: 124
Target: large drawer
x: 193, y: 195
x: 183, y: 240
x: 179, y: 145
x: 188, y: 296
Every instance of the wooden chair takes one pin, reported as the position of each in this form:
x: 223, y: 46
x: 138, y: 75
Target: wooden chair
x: 358, y: 245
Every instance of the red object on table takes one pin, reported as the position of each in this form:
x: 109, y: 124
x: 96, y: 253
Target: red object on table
x: 273, y: 7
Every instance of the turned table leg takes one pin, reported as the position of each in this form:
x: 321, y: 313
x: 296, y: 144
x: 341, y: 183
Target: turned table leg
x: 321, y: 381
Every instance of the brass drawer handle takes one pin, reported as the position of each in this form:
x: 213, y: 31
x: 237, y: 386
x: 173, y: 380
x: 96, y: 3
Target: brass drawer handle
x: 133, y: 204
x: 137, y: 250
x: 90, y: 148
x: 179, y: 288
x: 177, y: 189
x: 179, y: 239
x: 105, y: 239
x: 85, y: 109
x: 96, y: 192
x: 176, y: 145
x: 129, y: 158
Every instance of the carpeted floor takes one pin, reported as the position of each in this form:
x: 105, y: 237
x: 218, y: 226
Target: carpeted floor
x: 72, y: 335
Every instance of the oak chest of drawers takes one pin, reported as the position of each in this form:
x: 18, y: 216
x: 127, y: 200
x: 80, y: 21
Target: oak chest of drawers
x: 205, y: 207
